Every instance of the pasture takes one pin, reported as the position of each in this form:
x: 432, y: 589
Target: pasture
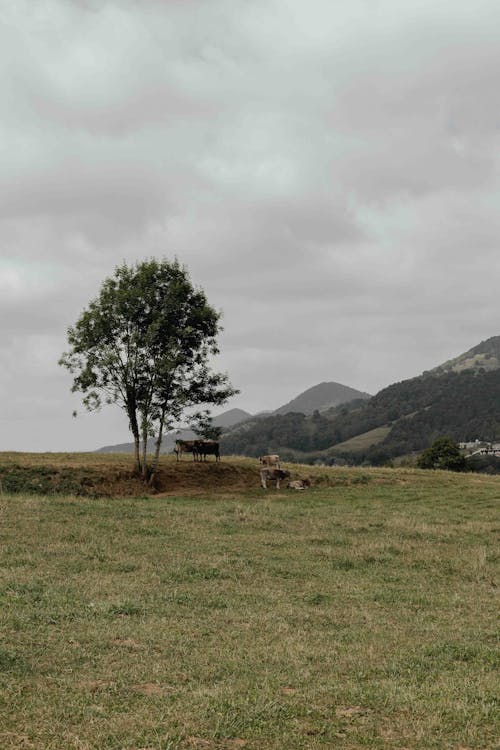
x: 360, y: 614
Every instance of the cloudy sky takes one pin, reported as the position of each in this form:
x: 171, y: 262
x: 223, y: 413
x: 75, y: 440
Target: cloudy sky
x: 327, y: 170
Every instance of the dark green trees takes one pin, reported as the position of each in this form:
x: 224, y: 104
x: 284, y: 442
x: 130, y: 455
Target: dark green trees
x: 444, y: 453
x: 145, y: 343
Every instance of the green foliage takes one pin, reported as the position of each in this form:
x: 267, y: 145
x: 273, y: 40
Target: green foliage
x: 145, y: 343
x: 202, y: 425
x: 484, y: 464
x: 444, y: 453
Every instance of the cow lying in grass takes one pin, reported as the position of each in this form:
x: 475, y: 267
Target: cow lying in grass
x: 275, y: 475
x: 299, y: 484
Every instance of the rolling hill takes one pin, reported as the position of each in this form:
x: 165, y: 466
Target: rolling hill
x: 321, y: 397
x: 318, y: 398
x: 460, y: 398
x: 331, y: 423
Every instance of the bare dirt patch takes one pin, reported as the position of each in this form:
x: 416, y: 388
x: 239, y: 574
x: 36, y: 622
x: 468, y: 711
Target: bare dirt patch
x: 91, y: 475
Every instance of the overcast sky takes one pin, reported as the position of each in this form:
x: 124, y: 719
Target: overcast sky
x: 328, y: 171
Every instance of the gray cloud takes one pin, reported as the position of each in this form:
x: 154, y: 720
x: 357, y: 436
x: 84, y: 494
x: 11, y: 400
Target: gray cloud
x: 328, y: 172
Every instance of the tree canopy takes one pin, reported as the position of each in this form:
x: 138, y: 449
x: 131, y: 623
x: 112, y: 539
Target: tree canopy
x: 145, y: 343
x: 444, y: 453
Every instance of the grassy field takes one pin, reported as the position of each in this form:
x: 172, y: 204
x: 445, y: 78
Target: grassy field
x: 363, y: 441
x: 360, y: 614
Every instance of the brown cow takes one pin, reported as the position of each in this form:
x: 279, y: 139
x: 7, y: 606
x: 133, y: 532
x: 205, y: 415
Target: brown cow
x: 186, y: 446
x: 271, y: 460
x: 206, y: 448
x: 274, y: 474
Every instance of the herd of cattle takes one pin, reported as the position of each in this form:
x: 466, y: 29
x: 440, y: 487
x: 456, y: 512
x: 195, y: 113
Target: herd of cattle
x: 199, y: 448
x: 270, y: 465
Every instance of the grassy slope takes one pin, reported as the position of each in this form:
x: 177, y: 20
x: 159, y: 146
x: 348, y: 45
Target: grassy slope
x: 363, y: 441
x: 360, y: 614
x: 101, y: 474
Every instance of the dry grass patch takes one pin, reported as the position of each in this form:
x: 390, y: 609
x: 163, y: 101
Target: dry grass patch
x: 110, y: 475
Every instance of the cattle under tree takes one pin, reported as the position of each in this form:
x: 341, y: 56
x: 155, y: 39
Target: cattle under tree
x: 199, y: 448
x: 186, y: 446
x: 146, y: 343
x: 206, y: 448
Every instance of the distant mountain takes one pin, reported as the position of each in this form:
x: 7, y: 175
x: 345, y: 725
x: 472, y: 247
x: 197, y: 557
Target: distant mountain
x: 230, y: 417
x: 321, y: 397
x: 331, y: 422
x: 460, y: 398
x: 318, y: 398
x: 226, y: 419
x: 292, y: 435
x: 267, y: 431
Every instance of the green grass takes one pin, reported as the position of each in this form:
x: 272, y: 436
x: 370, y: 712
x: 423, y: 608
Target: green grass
x: 358, y: 615
x: 363, y: 441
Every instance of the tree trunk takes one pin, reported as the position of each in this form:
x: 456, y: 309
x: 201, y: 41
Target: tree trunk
x: 144, y: 447
x: 157, y: 449
x: 134, y: 427
x: 137, y: 457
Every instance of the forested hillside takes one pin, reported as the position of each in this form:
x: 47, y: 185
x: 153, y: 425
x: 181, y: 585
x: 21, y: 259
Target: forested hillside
x: 289, y: 433
x: 464, y: 405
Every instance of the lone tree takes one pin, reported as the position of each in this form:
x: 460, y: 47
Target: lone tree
x: 145, y: 343
x: 444, y: 453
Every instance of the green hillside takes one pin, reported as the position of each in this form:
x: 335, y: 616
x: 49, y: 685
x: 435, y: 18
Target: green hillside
x: 485, y: 355
x: 289, y: 434
x: 405, y: 417
x: 364, y: 440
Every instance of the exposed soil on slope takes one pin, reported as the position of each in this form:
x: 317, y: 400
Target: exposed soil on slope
x: 93, y: 475
x: 111, y: 475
